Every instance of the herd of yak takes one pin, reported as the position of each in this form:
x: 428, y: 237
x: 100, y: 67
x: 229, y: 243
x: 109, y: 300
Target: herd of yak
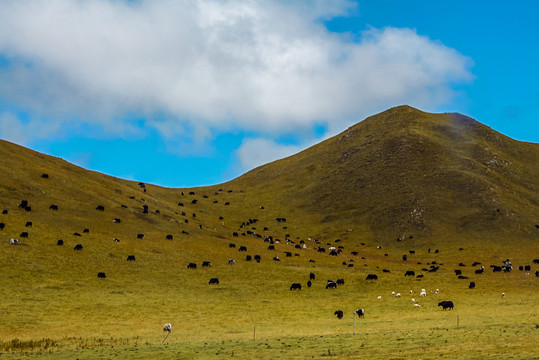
x: 271, y: 240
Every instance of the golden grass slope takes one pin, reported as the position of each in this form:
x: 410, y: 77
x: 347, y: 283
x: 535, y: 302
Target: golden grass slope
x: 436, y: 181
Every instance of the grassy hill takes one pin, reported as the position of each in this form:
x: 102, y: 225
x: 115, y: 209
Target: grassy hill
x: 399, y: 181
x: 405, y: 172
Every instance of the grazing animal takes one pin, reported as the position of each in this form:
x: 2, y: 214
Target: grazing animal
x: 257, y: 258
x: 85, y: 231
x: 309, y: 283
x: 214, y: 281
x: 116, y: 240
x: 100, y: 208
x: 28, y: 224
x: 167, y: 327
x: 192, y: 266
x: 340, y: 281
x: 446, y: 305
x: 458, y: 272
x: 130, y: 257
x: 169, y: 237
x: 339, y: 314
x: 527, y: 268
x: 101, y: 275
x: 23, y: 204
x: 231, y: 245
x: 276, y: 258
x: 243, y: 248
x: 248, y: 258
x: 78, y: 247
x: 409, y: 273
x: 271, y: 247
x: 53, y: 207
x: 372, y: 277
x: 13, y: 241
x: 379, y: 297
x: 140, y: 236
x: 45, y: 176
x: 331, y: 285
x: 60, y: 242
x: 4, y: 212
x: 360, y: 312
x: 206, y: 264
x: 472, y: 285
x: 2, y: 226
x: 116, y: 220
x: 311, y: 276
x: 24, y: 234
x: 231, y: 262
x: 295, y: 286
x: 423, y: 293
x: 404, y: 257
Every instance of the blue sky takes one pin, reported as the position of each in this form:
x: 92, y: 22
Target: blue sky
x: 197, y: 93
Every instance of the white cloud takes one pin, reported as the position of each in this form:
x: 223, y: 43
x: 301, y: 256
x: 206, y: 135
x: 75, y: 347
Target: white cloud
x: 212, y: 65
x: 256, y: 152
x: 12, y: 129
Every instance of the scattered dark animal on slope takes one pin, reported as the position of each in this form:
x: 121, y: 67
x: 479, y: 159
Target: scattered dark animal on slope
x: 360, y: 312
x: 295, y: 286
x: 446, y: 305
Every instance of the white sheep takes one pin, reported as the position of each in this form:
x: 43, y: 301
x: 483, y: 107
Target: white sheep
x: 379, y: 297
x: 398, y: 295
x: 167, y: 327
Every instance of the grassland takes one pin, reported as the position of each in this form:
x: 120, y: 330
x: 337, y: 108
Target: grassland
x: 52, y: 305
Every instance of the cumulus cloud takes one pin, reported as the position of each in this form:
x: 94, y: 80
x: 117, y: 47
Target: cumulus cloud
x: 256, y: 152
x: 212, y: 65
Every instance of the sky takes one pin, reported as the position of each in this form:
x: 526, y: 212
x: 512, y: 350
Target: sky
x: 193, y: 93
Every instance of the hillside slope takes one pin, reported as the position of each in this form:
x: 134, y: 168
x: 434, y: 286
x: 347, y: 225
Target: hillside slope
x: 405, y: 173
x: 440, y: 181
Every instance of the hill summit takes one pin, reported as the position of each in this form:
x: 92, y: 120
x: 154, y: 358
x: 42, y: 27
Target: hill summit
x: 405, y: 172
